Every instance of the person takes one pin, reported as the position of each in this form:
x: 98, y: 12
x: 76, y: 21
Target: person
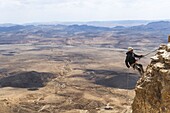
x: 131, y: 61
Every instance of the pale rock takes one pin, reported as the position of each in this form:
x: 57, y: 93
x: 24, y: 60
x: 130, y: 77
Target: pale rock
x: 166, y: 57
x: 155, y: 58
x: 159, y: 65
x: 163, y: 71
x: 162, y: 47
x: 159, y: 52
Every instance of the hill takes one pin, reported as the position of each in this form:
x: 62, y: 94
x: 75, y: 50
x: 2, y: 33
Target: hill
x: 153, y: 26
x: 78, y: 34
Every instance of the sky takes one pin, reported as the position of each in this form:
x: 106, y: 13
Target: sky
x: 28, y: 11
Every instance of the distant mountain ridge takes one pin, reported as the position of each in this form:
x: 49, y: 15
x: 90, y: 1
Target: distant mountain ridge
x: 86, y: 28
x: 62, y: 27
x: 126, y: 23
x: 159, y: 25
x: 13, y: 28
x: 18, y: 33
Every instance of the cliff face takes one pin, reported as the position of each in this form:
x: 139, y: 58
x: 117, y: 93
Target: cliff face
x: 153, y: 88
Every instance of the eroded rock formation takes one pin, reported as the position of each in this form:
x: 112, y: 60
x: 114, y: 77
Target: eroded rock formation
x: 153, y: 88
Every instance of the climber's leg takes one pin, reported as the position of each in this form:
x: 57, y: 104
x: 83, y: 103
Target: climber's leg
x: 139, y: 67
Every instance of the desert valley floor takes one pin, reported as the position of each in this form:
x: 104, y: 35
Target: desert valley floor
x: 50, y: 78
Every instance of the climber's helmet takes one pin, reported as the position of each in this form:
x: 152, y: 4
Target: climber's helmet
x: 130, y: 49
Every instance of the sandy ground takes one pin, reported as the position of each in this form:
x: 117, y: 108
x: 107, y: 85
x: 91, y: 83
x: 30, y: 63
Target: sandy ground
x: 88, y: 79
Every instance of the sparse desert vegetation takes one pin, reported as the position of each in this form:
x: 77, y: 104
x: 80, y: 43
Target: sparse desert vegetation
x: 76, y: 70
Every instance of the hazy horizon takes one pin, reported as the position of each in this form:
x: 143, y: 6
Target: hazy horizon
x: 95, y: 21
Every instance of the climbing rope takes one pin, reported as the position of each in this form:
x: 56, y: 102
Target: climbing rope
x: 150, y: 52
x: 127, y: 89
x: 127, y: 81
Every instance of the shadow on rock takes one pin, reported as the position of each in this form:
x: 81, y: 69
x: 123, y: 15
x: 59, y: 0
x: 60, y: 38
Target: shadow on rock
x: 26, y: 79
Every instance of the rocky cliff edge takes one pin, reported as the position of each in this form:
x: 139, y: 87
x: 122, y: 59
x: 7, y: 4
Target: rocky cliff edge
x: 153, y: 88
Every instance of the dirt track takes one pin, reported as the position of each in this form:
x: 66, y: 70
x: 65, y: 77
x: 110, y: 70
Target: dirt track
x: 93, y: 81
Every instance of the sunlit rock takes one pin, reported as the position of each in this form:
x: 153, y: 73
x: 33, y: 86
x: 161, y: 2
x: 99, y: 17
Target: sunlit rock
x: 153, y: 88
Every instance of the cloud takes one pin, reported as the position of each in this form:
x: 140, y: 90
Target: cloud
x: 42, y: 2
x: 22, y: 11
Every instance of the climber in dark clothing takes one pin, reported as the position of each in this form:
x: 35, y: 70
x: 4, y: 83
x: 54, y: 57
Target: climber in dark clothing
x: 131, y: 61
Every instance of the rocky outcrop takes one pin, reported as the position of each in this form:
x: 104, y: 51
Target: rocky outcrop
x: 153, y: 88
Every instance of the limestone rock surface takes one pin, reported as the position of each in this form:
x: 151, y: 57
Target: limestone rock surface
x: 153, y: 88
